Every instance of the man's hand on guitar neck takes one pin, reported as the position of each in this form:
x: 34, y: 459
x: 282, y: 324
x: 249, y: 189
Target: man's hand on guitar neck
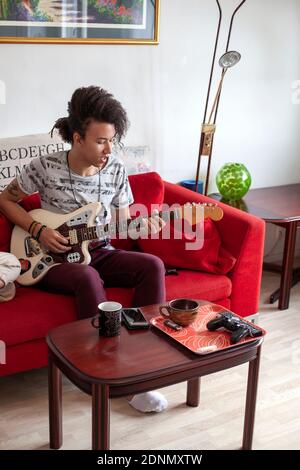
x: 148, y: 226
x: 54, y: 241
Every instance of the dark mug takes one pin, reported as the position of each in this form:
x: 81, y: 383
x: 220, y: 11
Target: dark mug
x: 181, y: 311
x: 108, y: 322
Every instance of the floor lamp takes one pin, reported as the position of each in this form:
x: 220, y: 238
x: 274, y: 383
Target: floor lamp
x: 227, y: 60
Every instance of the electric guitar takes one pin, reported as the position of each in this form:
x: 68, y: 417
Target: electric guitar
x: 78, y: 228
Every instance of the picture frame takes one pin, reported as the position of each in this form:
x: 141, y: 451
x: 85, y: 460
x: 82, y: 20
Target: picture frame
x: 79, y: 21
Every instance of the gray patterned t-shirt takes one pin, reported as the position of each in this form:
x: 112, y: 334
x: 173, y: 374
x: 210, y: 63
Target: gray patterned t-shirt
x: 49, y: 175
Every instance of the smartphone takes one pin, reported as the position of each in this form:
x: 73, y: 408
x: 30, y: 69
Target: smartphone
x: 134, y: 319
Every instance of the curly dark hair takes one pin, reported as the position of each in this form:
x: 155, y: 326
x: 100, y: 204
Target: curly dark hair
x: 88, y: 104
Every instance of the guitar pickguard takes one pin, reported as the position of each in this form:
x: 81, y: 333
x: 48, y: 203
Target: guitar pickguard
x: 32, y: 247
x: 75, y: 255
x: 43, y: 265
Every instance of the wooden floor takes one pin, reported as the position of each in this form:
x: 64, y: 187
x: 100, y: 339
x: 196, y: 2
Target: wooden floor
x: 216, y: 424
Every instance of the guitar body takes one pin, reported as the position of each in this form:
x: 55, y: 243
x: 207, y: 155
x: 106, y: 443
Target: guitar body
x: 40, y: 260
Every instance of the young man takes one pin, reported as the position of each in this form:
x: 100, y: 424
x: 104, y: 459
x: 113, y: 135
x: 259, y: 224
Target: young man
x: 69, y: 180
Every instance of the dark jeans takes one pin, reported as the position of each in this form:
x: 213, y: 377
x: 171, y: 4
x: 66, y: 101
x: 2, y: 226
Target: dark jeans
x: 108, y: 268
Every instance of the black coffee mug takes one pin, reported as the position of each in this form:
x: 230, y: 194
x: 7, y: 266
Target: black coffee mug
x: 108, y: 322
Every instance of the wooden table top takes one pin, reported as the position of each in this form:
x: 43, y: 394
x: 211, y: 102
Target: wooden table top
x: 134, y: 355
x: 273, y: 204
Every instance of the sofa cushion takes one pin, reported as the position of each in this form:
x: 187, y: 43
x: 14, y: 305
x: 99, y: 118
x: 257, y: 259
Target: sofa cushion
x: 198, y: 285
x: 148, y: 190
x: 31, y: 202
x: 192, y: 284
x: 25, y: 356
x: 32, y: 313
x: 209, y: 257
x: 5, y: 233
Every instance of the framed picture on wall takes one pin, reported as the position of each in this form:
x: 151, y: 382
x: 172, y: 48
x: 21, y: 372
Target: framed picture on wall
x: 79, y: 21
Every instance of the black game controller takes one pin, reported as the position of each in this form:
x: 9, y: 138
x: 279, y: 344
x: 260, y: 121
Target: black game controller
x: 240, y: 329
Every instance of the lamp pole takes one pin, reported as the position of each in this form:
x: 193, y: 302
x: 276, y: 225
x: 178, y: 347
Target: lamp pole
x: 205, y: 136
x: 208, y: 129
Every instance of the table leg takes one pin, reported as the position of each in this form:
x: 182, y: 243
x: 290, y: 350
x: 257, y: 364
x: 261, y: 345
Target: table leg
x: 55, y: 405
x: 193, y: 392
x: 287, y: 265
x: 100, y: 417
x: 251, y: 401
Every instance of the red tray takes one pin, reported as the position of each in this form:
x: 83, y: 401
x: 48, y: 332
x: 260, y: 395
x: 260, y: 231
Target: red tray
x: 197, y: 338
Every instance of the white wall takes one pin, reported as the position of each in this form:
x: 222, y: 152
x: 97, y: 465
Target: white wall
x: 163, y: 87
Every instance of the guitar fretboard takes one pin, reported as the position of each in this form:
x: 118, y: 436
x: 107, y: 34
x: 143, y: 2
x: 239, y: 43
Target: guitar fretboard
x: 111, y: 230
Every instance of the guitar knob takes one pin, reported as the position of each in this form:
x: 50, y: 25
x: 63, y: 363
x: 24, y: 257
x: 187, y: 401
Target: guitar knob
x: 40, y: 266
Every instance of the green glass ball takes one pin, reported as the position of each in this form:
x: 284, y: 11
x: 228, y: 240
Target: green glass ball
x: 233, y: 181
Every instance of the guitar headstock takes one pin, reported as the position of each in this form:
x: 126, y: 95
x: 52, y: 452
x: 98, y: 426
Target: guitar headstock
x: 193, y: 212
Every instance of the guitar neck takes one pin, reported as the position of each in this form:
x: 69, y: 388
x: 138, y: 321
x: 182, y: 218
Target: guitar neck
x: 97, y: 232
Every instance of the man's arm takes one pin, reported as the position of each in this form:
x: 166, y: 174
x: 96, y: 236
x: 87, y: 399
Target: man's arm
x: 9, y: 206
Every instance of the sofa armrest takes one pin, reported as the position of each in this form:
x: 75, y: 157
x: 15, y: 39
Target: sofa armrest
x: 242, y: 235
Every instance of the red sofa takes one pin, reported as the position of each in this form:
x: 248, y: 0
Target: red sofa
x: 25, y: 320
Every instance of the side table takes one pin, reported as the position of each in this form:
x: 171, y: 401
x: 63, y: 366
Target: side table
x: 279, y: 205
x: 135, y: 362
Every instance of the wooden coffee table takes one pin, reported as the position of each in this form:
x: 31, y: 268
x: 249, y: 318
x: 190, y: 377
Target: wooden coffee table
x: 134, y: 362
